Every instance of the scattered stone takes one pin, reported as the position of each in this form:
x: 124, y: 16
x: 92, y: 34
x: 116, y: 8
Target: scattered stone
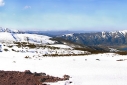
x: 120, y: 60
x: 98, y: 59
x: 66, y: 77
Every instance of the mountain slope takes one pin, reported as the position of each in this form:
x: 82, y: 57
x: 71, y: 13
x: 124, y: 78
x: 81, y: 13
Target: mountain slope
x: 39, y: 45
x: 31, y: 38
x: 99, y: 38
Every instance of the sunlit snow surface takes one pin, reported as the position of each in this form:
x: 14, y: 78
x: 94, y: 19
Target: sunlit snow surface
x: 32, y: 38
x: 99, y: 69
x: 61, y: 46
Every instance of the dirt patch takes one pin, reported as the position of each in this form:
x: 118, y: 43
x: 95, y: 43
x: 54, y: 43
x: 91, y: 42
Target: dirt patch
x: 27, y: 78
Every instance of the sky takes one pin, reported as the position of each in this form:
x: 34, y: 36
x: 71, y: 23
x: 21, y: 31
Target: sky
x: 87, y: 15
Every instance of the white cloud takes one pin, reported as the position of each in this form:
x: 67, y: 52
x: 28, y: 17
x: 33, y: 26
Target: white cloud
x: 27, y: 7
x: 2, y: 3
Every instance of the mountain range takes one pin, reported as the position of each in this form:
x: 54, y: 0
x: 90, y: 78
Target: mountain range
x: 92, y: 41
x: 98, y: 38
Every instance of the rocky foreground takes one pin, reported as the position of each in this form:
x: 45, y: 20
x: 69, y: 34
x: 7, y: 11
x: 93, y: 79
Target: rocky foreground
x: 27, y: 78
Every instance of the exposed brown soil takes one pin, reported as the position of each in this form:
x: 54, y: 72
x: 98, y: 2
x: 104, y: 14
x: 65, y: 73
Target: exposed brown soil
x: 27, y: 78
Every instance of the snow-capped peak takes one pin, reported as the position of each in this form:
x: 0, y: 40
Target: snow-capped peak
x: 5, y: 29
x: 68, y: 35
x: 124, y: 32
x: 103, y: 34
x: 9, y: 30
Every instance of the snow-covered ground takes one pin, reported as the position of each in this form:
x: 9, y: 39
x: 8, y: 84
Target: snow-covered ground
x: 61, y: 46
x: 41, y: 50
x: 94, y: 69
x: 97, y: 69
x: 31, y: 38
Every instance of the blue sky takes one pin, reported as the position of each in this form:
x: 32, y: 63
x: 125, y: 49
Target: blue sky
x: 88, y: 15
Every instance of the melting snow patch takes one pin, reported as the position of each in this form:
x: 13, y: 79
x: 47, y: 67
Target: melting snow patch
x: 61, y: 46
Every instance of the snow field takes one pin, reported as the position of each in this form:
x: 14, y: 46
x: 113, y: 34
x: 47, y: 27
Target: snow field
x: 84, y: 70
x: 31, y: 38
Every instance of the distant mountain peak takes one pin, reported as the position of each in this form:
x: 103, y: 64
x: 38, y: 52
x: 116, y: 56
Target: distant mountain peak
x: 10, y: 30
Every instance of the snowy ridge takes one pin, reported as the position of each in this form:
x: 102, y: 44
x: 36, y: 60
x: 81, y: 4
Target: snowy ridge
x: 104, y: 34
x: 98, y: 38
x: 69, y: 35
x: 114, y: 33
x: 31, y: 38
x: 124, y: 32
x: 34, y: 38
x: 6, y: 37
x: 9, y: 30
